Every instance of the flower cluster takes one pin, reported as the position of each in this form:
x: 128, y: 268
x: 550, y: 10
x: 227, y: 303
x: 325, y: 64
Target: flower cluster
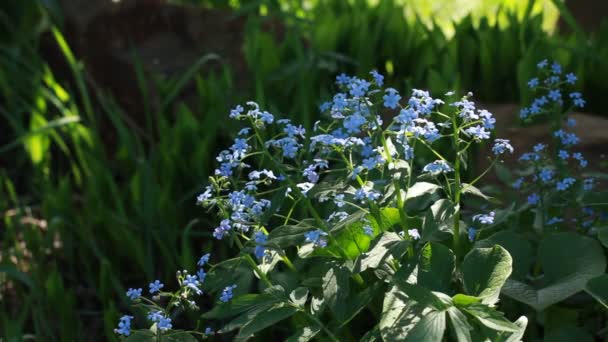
x: 550, y: 90
x: 190, y: 286
x: 555, y: 171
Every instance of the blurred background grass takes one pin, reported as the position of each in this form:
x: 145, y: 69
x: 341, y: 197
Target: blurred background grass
x: 97, y: 193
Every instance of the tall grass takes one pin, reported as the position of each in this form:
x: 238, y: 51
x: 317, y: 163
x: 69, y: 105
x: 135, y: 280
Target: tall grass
x: 92, y: 203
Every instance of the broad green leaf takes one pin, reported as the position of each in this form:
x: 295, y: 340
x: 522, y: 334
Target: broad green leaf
x: 569, y: 261
x: 304, y: 334
x: 464, y: 300
x: 387, y: 244
x: 141, y: 336
x: 569, y: 334
x: 435, y: 267
x: 290, y: 235
x: 264, y: 319
x: 350, y: 235
x: 490, y: 318
x: 336, y: 291
x: 178, y: 336
x: 405, y: 319
x: 420, y: 196
x: 228, y: 272
x: 459, y: 325
x: 299, y: 296
x: 598, y: 288
x: 602, y: 235
x: 484, y: 271
x: 438, y: 221
x: 244, y: 303
x: 435, y: 300
x: 472, y: 190
x: 519, y: 248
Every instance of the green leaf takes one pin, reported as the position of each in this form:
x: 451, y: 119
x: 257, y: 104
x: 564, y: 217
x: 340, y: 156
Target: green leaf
x: 304, y: 334
x: 178, y: 336
x: 464, y: 300
x: 490, y: 318
x: 438, y: 221
x: 141, y: 336
x: 38, y: 144
x: 435, y: 267
x: 299, y: 296
x: 598, y: 288
x: 420, y: 196
x: 472, y: 190
x: 336, y: 291
x: 459, y: 325
x: 568, y: 334
x: 244, y: 303
x: 518, y: 247
x: 387, y: 244
x: 569, y: 261
x: 484, y: 272
x: 275, y: 314
x: 405, y: 319
x: 602, y: 235
x: 290, y: 235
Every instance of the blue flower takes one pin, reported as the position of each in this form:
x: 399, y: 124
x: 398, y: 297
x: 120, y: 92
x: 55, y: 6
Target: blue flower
x: 437, y: 167
x: 378, y: 78
x: 391, y: 98
x: 164, y: 324
x: 478, y: 132
x: 236, y: 112
x: 529, y: 156
x: 555, y: 95
x: 484, y: 219
x: 517, y: 183
x: 563, y: 154
x: 358, y: 87
x: 124, y: 326
x: 205, y: 195
x: 155, y: 286
x: 579, y: 156
x: 542, y: 64
x: 133, y: 294
x: 588, y: 184
x: 342, y: 79
x: 472, y: 233
x: 192, y: 283
x: 565, y: 183
x: 208, y: 331
x: 155, y: 316
x: 413, y: 233
x: 201, y: 275
x: 362, y: 194
x: 556, y: 68
x: 533, y: 199
x: 546, y: 175
x: 501, y: 146
x: 539, y: 147
x: 222, y: 230
x: 354, y: 122
x: 571, y: 78
x: 227, y: 295
x: 553, y: 221
x: 339, y: 200
x: 533, y: 83
x: 260, y: 238
x: 571, y: 122
x: 368, y: 230
x: 317, y: 237
x: 203, y: 260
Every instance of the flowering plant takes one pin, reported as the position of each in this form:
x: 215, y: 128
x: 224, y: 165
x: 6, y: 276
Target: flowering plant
x: 361, y: 222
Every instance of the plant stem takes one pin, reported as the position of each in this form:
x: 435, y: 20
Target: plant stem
x: 456, y: 191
